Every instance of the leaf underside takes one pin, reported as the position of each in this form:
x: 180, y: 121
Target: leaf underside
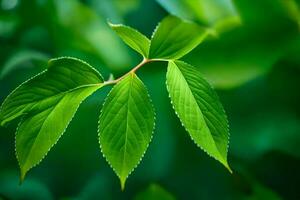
x: 46, y: 104
x: 199, y: 109
x: 125, y: 126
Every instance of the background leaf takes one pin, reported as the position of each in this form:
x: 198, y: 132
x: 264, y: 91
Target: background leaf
x: 199, y: 109
x: 20, y: 58
x: 173, y: 38
x: 218, y: 14
x: 249, y: 51
x: 85, y: 29
x: 125, y: 126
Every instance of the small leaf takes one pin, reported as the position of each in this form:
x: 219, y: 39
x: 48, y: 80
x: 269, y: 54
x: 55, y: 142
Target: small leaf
x: 174, y: 38
x: 47, y: 103
x: 132, y: 38
x: 126, y: 125
x: 199, y: 109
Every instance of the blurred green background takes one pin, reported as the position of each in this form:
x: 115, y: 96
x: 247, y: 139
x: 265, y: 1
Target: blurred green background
x: 252, y: 60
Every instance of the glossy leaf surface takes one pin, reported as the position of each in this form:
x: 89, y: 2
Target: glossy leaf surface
x: 47, y: 103
x: 126, y: 125
x: 199, y: 109
x: 133, y: 38
x: 173, y: 38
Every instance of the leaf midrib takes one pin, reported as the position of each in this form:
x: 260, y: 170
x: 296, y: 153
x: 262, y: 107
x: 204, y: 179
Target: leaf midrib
x: 60, y: 93
x: 200, y: 111
x: 59, y: 101
x: 126, y: 134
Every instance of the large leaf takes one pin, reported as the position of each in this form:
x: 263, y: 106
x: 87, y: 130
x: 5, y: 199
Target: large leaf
x: 125, y: 126
x: 199, y: 109
x: 173, y: 38
x: 215, y: 13
x: 132, y: 38
x: 47, y: 103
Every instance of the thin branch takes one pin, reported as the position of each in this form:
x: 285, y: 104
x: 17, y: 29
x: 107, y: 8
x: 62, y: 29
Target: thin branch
x: 133, y: 70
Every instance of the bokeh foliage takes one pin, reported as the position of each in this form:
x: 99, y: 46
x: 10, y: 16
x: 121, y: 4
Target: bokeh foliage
x: 253, y: 60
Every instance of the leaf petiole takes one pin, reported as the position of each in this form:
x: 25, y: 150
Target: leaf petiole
x: 133, y: 70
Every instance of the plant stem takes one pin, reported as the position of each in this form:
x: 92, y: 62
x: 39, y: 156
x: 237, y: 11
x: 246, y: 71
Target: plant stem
x: 133, y: 70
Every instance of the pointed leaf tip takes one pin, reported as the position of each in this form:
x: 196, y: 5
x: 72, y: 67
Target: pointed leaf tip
x: 42, y: 109
x: 226, y: 165
x: 125, y: 127
x: 199, y: 109
x: 22, y: 175
x: 133, y: 38
x: 123, y: 182
x: 111, y: 24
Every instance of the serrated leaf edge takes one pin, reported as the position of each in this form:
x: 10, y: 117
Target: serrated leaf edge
x: 79, y: 60
x: 135, y: 30
x: 130, y: 172
x: 1, y: 107
x: 45, y: 71
x: 228, y: 137
x: 23, y: 173
x: 207, y: 32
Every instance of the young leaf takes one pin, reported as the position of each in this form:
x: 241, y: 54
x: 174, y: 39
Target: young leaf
x: 174, y: 38
x: 199, y: 109
x: 125, y: 126
x: 47, y: 103
x: 132, y: 38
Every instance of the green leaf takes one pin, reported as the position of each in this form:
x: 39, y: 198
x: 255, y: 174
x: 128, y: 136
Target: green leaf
x: 259, y: 49
x: 47, y: 103
x: 218, y: 14
x: 173, y: 38
x: 199, y: 109
x: 82, y: 28
x: 19, y: 58
x: 226, y: 70
x: 126, y: 125
x: 132, y: 38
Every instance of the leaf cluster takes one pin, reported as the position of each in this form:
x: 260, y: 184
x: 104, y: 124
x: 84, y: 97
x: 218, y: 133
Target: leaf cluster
x: 47, y: 102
